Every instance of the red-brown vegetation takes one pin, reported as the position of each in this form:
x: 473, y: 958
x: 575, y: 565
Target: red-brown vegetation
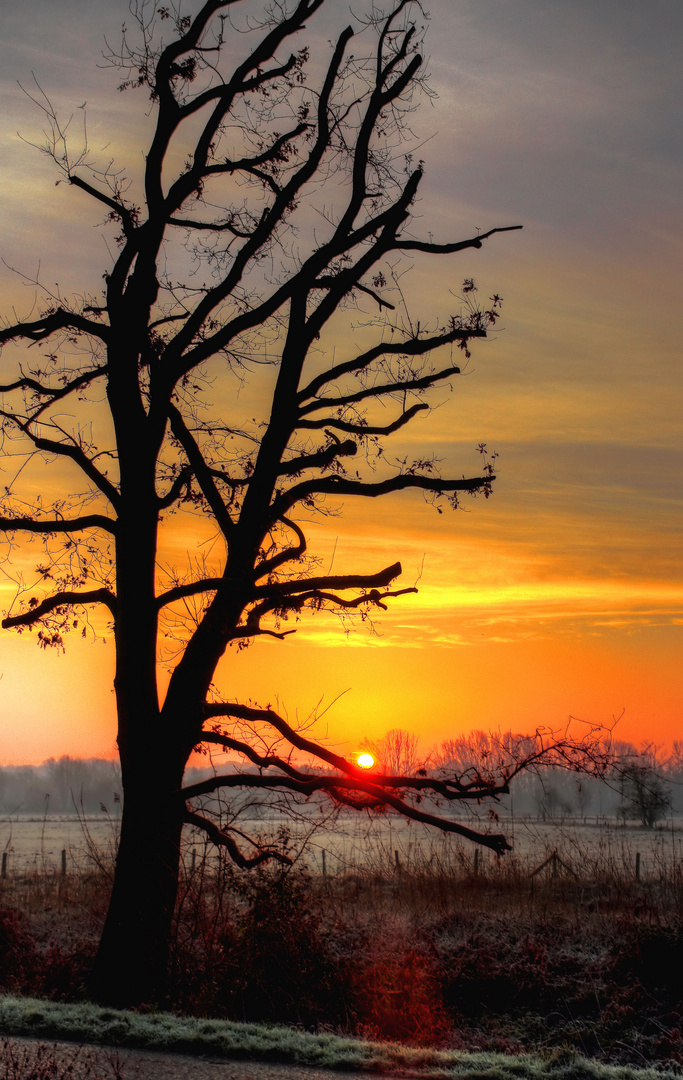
x: 497, y: 962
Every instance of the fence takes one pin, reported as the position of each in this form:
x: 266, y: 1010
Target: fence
x: 65, y: 847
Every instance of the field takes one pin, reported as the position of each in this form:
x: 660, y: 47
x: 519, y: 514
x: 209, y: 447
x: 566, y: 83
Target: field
x: 33, y: 844
x: 429, y: 946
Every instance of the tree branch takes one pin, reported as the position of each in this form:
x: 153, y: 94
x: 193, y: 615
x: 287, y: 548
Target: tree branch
x: 27, y: 383
x: 209, y: 226
x: 217, y: 738
x: 269, y: 716
x: 329, y: 283
x: 449, y: 249
x: 56, y: 525
x: 192, y: 588
x: 270, y: 219
x: 329, y: 581
x: 250, y: 630
x: 127, y: 219
x: 181, y: 481
x: 63, y: 599
x: 339, y: 485
x: 380, y: 795
x: 414, y: 347
x: 200, y: 469
x: 49, y: 324
x: 371, y: 597
x: 222, y: 839
x: 364, y: 429
x: 320, y: 460
x: 290, y: 553
x: 69, y: 450
x: 422, y: 383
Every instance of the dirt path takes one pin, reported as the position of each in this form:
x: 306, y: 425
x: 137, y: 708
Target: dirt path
x: 33, y: 1059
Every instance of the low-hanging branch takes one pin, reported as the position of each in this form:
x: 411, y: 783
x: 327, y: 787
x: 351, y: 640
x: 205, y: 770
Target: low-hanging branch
x: 495, y: 841
x: 251, y: 714
x: 453, y: 788
x: 217, y: 738
x: 221, y: 838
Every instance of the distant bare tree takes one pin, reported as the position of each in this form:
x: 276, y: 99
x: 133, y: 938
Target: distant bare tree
x: 487, y: 753
x: 396, y: 752
x: 646, y: 797
x: 675, y: 761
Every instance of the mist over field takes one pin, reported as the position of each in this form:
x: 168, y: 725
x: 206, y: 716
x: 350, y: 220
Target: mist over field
x: 92, y: 786
x: 66, y: 813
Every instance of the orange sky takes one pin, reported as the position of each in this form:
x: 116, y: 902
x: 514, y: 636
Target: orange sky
x: 562, y: 595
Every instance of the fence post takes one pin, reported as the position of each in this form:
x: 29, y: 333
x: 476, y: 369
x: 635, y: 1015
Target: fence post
x: 324, y: 865
x: 4, y: 864
x: 194, y: 860
x: 398, y: 863
x: 476, y: 862
x: 637, y: 866
x: 63, y: 862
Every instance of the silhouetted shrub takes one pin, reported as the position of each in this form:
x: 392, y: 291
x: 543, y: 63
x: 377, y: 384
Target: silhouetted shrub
x: 257, y: 950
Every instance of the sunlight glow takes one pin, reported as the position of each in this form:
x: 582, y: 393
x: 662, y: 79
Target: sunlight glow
x: 365, y: 761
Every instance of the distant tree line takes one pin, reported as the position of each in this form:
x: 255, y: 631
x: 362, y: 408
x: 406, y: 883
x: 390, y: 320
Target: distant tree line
x: 64, y: 785
x: 646, y: 784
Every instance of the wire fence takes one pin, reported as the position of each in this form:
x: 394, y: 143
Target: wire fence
x: 580, y: 848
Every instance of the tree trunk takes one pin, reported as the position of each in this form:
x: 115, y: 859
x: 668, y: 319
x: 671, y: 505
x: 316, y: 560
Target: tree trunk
x: 132, y: 959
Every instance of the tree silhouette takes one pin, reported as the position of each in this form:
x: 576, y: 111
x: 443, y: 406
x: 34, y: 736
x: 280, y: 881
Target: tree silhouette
x: 270, y: 206
x: 646, y: 797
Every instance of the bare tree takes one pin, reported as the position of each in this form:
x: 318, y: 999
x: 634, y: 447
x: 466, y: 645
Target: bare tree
x: 646, y: 797
x: 267, y: 208
x: 396, y: 753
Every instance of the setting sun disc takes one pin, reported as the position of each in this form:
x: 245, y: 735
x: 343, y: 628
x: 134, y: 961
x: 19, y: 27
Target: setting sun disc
x: 365, y: 761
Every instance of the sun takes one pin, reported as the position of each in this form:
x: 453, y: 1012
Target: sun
x: 365, y: 760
